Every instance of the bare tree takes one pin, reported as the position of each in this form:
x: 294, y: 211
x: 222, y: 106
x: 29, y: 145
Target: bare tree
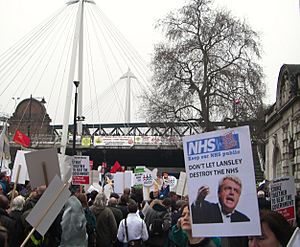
x: 207, y: 69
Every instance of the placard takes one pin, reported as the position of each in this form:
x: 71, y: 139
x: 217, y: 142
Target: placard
x: 147, y: 179
x: 80, y: 170
x: 20, y: 160
x: 221, y: 183
x: 49, y: 205
x: 182, y: 188
x: 282, y: 193
x: 42, y: 166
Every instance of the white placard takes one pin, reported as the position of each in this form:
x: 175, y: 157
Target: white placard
x: 138, y: 179
x: 128, y: 179
x: 119, y: 181
x: 222, y: 157
x: 282, y: 193
x: 81, y: 170
x: 172, y: 181
x: 147, y: 179
x: 20, y: 160
x: 181, y: 188
x: 49, y: 205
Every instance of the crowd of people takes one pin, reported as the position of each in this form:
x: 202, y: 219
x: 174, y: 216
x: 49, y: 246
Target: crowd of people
x: 95, y: 220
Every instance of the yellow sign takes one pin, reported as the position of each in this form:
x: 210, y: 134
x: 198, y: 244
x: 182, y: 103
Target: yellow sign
x: 86, y: 141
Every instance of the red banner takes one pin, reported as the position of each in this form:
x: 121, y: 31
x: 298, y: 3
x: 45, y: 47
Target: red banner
x: 21, y: 139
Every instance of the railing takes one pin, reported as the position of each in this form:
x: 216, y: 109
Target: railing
x: 132, y: 134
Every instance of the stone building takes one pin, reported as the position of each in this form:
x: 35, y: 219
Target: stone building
x: 283, y: 127
x: 31, y: 118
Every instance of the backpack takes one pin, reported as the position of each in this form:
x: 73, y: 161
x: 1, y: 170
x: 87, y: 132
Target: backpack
x: 156, y: 227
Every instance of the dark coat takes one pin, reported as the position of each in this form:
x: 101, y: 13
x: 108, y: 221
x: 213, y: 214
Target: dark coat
x: 9, y: 224
x: 158, y: 211
x: 106, y: 226
x: 18, y: 230
x: 210, y: 213
x: 117, y: 214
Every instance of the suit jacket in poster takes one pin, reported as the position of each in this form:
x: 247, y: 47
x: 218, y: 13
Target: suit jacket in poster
x: 209, y: 212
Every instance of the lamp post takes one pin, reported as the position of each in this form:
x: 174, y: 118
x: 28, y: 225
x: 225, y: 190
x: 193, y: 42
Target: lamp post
x: 16, y: 101
x: 76, y: 83
x: 29, y: 117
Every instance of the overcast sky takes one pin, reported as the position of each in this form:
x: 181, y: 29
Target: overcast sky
x: 277, y: 21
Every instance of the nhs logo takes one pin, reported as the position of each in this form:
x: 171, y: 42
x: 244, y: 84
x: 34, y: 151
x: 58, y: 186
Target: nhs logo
x: 218, y: 143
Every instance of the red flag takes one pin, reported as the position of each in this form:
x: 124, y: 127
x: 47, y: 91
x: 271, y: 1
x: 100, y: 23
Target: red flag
x: 116, y: 168
x: 22, y: 139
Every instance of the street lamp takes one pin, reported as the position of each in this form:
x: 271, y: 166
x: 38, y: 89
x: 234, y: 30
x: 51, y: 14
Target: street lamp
x: 16, y: 101
x: 76, y: 83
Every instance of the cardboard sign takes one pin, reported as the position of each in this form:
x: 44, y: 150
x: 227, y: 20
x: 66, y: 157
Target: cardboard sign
x: 283, y: 192
x: 181, y: 188
x: 172, y: 181
x: 138, y: 179
x: 42, y: 166
x: 49, y: 205
x: 122, y: 180
x: 80, y: 170
x: 147, y: 179
x: 221, y: 183
x: 20, y: 160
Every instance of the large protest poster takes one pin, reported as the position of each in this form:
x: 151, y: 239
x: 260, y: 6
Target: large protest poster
x: 80, y: 170
x: 222, y: 157
x: 283, y: 194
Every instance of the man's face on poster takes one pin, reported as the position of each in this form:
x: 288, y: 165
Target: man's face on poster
x: 229, y: 195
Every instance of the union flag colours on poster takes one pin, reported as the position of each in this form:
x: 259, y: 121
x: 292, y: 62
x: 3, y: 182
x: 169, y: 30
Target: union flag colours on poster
x: 21, y: 139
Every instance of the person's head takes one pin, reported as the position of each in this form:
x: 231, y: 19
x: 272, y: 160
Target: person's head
x: 74, y: 189
x: 276, y: 231
x: 112, y: 201
x: 260, y: 194
x: 114, y: 195
x: 185, y: 220
x: 3, y: 176
x: 132, y: 207
x: 4, y: 203
x: 83, y: 199
x: 124, y: 199
x: 126, y: 191
x: 173, y: 196
x: 100, y: 200
x: 154, y: 194
x: 40, y: 190
x: 93, y: 195
x: 229, y: 191
x: 18, y: 203
x: 166, y: 202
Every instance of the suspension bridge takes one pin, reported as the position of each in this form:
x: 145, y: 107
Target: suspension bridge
x: 79, y: 43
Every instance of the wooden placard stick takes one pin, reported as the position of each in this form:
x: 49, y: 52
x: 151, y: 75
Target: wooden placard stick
x: 183, y: 189
x: 45, y: 173
x: 41, y: 219
x: 15, y: 185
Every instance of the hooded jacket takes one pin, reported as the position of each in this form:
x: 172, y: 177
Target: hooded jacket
x: 106, y: 226
x: 73, y: 224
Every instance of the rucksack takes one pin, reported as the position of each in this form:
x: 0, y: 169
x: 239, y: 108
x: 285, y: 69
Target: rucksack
x: 156, y: 227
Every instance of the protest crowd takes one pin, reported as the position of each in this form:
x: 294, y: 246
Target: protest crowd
x: 92, y: 219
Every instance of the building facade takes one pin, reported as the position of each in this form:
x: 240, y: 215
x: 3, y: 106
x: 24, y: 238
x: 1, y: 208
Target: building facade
x: 283, y: 127
x: 31, y: 118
